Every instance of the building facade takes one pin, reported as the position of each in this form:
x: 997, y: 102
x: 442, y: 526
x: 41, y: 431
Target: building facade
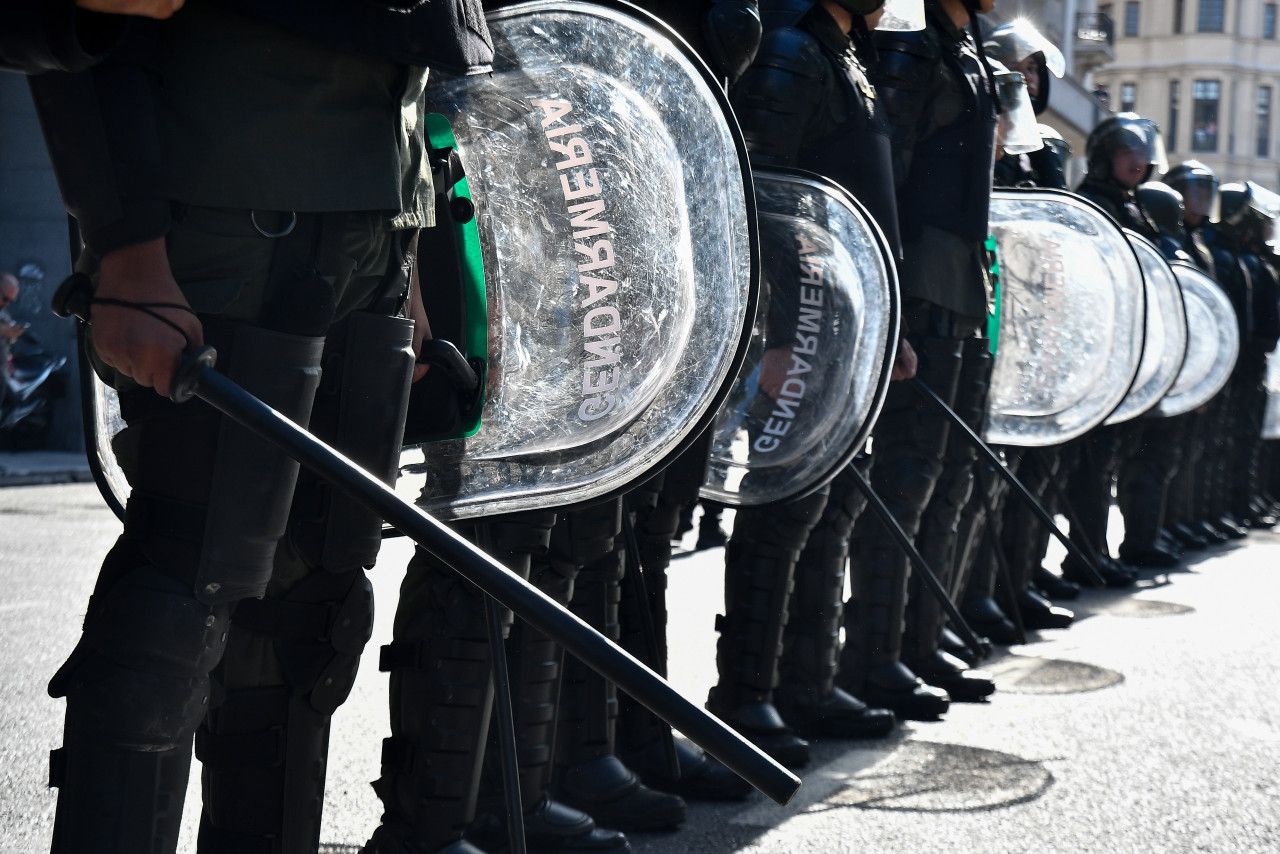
x: 1208, y: 72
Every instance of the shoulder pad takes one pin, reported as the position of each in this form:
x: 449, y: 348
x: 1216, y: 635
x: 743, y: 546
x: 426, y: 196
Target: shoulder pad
x: 793, y: 50
x: 789, y: 66
x: 906, y: 61
x: 922, y: 44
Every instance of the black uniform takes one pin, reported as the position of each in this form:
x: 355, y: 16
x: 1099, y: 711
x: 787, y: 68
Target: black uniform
x: 221, y: 608
x: 805, y: 102
x: 938, y: 96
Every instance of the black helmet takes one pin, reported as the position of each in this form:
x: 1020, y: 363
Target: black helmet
x: 1249, y: 213
x: 1198, y: 186
x: 1163, y: 205
x: 1019, y: 40
x: 1124, y: 130
x: 1053, y: 139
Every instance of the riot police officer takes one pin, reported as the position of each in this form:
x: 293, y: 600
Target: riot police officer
x: 1122, y: 152
x: 938, y: 94
x: 806, y: 102
x: 235, y: 601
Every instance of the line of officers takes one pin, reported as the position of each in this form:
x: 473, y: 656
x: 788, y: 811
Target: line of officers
x: 911, y: 121
x: 907, y: 120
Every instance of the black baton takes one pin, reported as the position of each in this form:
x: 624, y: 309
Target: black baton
x: 196, y: 378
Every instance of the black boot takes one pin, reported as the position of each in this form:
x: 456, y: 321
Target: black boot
x: 808, y: 697
x: 641, y: 735
x: 588, y: 774
x: 909, y: 445
x: 759, y: 563
x: 951, y: 643
x: 1038, y: 613
x: 939, y: 540
x: 1054, y: 586
x: 987, y: 618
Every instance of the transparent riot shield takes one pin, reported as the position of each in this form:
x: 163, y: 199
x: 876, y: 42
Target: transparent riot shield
x: 1271, y: 416
x: 615, y: 217
x: 617, y: 228
x: 1072, y: 318
x: 817, y: 369
x: 1165, y: 342
x: 1213, y: 343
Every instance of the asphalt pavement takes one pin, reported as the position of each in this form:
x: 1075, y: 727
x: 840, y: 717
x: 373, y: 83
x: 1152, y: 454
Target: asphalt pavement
x: 1152, y: 725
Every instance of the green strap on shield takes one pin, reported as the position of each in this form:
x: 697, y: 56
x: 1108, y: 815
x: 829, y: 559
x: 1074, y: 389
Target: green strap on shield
x: 993, y: 314
x: 475, y: 332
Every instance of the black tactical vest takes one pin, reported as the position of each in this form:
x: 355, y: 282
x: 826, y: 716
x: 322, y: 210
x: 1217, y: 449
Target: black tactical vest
x: 949, y: 182
x: 857, y: 154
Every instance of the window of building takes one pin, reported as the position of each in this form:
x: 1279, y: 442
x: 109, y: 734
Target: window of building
x: 1212, y: 16
x: 1269, y: 21
x: 1264, y: 121
x: 1178, y: 10
x: 1171, y: 132
x: 1204, y: 115
x: 1128, y: 97
x: 1131, y: 20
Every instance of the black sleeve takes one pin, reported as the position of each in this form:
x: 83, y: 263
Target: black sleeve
x: 53, y: 35
x: 776, y: 101
x: 101, y: 129
x: 779, y: 95
x: 907, y: 76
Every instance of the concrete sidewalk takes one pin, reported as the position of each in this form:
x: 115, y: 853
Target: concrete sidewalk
x: 29, y: 468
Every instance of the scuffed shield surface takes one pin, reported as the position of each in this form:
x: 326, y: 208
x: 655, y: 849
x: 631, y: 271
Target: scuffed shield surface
x: 823, y: 340
x: 613, y: 211
x: 1165, y: 341
x: 1072, y: 317
x: 617, y: 223
x: 1213, y: 343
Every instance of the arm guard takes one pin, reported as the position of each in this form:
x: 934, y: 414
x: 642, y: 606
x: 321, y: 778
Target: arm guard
x: 101, y: 130
x: 906, y: 75
x: 53, y: 35
x: 733, y: 31
x: 779, y: 96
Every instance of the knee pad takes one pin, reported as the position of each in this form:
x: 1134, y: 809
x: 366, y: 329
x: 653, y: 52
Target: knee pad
x: 320, y: 627
x: 139, y: 677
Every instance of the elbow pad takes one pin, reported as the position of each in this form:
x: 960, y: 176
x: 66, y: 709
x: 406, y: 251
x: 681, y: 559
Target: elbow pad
x: 732, y: 30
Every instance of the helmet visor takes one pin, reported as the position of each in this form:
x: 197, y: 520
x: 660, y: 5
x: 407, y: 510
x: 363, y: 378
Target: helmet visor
x: 1019, y: 133
x: 1200, y: 196
x: 1014, y: 42
x: 1265, y: 206
x: 902, y: 15
x: 1141, y: 137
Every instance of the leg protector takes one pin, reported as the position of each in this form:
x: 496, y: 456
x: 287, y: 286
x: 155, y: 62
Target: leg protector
x: 441, y: 698
x: 537, y: 662
x: 360, y: 410
x: 291, y: 661
x: 907, y: 455
x: 1089, y: 489
x: 253, y: 482
x: 137, y: 685
x: 939, y: 527
x: 589, y: 702
x: 1023, y: 535
x: 811, y: 639
x: 1143, y: 486
x: 759, y: 565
